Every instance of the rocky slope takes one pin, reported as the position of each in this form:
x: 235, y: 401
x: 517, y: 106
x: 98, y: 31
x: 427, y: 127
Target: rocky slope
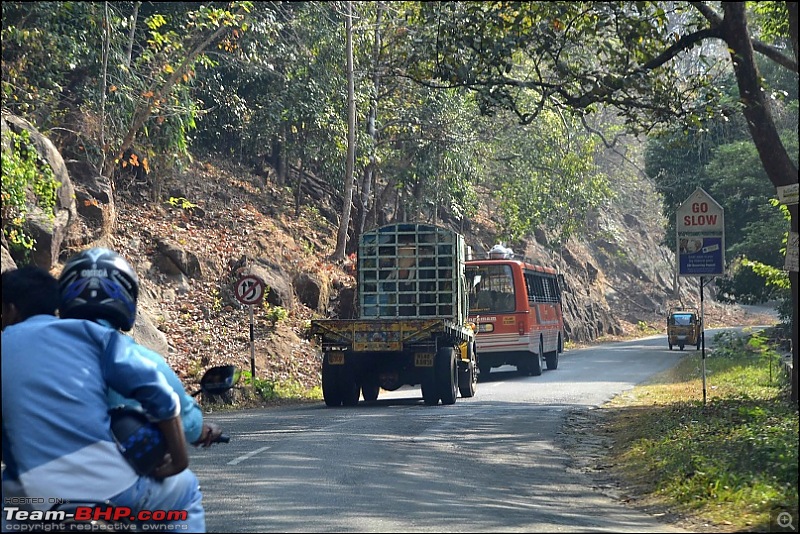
x: 217, y: 219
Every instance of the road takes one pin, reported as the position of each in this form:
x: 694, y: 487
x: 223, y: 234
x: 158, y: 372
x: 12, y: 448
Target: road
x: 490, y: 463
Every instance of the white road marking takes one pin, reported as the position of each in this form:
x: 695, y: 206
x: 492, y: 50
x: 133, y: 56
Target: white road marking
x: 246, y: 456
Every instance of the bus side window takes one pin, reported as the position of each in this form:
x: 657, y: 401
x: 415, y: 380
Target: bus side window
x: 529, y: 288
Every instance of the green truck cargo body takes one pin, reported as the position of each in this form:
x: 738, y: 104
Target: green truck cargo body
x: 412, y: 326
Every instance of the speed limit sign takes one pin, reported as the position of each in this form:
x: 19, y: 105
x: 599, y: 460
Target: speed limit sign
x: 250, y: 290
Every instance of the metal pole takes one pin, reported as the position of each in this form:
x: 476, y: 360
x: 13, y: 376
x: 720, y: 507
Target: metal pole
x: 703, y: 337
x: 252, y: 351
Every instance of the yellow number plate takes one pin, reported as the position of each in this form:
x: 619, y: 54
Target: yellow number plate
x: 336, y: 358
x: 423, y: 359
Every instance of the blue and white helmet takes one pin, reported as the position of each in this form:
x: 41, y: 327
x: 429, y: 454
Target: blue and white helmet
x: 96, y: 284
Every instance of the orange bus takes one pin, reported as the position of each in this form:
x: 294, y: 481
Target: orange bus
x: 517, y: 307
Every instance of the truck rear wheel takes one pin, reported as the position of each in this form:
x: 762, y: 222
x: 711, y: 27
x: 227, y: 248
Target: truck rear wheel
x: 349, y: 387
x: 469, y: 376
x: 330, y: 383
x: 430, y: 389
x: 446, y: 372
x: 370, y: 390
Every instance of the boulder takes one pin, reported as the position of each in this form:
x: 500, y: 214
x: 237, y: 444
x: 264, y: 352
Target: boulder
x: 7, y: 261
x: 94, y: 202
x: 312, y: 291
x: 48, y: 232
x: 176, y: 260
x: 278, y: 284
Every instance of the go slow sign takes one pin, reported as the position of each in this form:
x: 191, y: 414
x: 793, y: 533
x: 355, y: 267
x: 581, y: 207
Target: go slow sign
x: 701, y: 218
x: 700, y: 229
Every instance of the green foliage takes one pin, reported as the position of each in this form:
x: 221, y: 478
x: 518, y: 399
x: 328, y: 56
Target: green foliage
x: 777, y: 280
x: 544, y: 176
x: 773, y: 21
x: 265, y: 389
x: 56, y: 63
x: 447, y: 84
x: 754, y: 226
x: 269, y: 390
x: 293, y: 389
x: 24, y: 174
x: 47, y: 47
x: 276, y: 314
x: 505, y: 50
x: 733, y: 460
x: 722, y: 159
x: 181, y: 202
x: 646, y: 329
x: 273, y: 314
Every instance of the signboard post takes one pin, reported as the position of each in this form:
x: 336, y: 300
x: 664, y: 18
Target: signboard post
x: 700, y: 239
x: 792, y: 262
x: 250, y: 291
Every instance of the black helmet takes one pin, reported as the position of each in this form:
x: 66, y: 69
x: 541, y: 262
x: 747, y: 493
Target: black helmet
x: 141, y: 442
x: 99, y: 284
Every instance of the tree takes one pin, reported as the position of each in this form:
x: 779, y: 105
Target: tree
x: 508, y: 51
x: 171, y: 58
x: 344, y: 223
x: 62, y: 58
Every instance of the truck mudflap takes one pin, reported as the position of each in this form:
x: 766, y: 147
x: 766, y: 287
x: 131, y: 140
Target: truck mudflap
x: 378, y: 335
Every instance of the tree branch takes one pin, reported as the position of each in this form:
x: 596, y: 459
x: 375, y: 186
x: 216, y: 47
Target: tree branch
x: 775, y: 55
x: 769, y: 51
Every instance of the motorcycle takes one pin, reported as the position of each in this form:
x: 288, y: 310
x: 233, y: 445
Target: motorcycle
x: 217, y: 381
x: 141, y: 442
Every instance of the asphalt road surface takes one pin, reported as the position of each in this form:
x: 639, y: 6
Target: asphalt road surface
x: 491, y: 463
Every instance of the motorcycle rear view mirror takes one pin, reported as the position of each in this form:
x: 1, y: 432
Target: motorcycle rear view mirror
x: 218, y: 380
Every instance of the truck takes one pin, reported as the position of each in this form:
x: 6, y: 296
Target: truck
x: 412, y: 326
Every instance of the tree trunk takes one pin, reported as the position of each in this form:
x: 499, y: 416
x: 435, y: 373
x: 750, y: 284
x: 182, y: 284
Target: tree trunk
x: 369, y: 172
x: 132, y: 34
x: 299, y: 190
x: 344, y: 224
x: 104, y: 80
x: 283, y: 157
x: 776, y: 161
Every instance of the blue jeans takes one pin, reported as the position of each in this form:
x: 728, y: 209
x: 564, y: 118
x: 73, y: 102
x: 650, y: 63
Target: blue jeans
x: 179, y: 492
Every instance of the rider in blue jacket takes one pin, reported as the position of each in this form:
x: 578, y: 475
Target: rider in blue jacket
x: 60, y: 446
x: 19, y: 304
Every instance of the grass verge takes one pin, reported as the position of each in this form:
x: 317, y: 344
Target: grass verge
x: 732, y: 462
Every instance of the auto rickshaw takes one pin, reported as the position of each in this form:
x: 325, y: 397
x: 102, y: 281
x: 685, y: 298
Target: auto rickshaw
x: 684, y: 327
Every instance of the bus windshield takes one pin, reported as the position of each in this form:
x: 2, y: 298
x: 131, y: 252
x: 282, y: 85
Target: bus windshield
x: 491, y: 288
